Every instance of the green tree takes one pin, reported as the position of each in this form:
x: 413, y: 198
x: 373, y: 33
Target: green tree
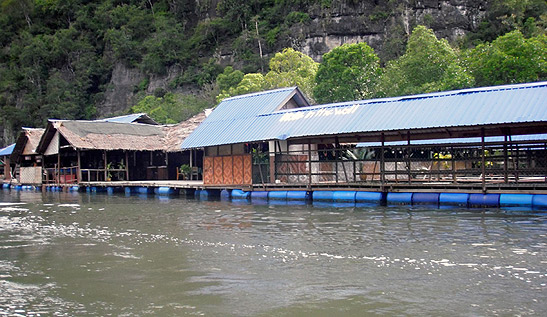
x: 511, y: 58
x: 348, y: 72
x: 287, y: 68
x: 229, y: 78
x: 292, y: 68
x: 171, y: 108
x: 428, y: 65
x: 251, y: 82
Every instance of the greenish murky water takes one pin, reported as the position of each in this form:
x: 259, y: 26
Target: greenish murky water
x: 80, y: 254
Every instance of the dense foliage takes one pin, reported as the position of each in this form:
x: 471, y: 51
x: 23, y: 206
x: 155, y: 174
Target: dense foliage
x: 287, y: 68
x: 348, y: 72
x: 57, y: 56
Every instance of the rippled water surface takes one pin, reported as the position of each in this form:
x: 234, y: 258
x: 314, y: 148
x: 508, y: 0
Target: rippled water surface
x: 80, y: 254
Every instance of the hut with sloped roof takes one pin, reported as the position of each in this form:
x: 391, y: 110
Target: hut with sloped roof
x: 5, y: 154
x: 77, y: 151
x: 26, y: 157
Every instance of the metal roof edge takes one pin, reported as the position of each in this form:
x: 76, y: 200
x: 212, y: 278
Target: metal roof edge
x: 411, y: 97
x: 258, y: 93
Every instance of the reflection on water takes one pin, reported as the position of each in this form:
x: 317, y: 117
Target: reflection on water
x: 80, y: 254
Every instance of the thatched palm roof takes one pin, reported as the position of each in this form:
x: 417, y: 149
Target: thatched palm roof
x: 105, y: 135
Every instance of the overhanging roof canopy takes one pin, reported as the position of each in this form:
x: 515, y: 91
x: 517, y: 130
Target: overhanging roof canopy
x: 461, y: 141
x: 27, y: 143
x: 500, y: 110
x: 131, y: 118
x: 7, y: 150
x: 231, y: 120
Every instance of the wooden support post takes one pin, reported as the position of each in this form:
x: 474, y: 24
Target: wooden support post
x: 58, y: 171
x: 309, y: 164
x: 126, y: 165
x: 276, y: 145
x: 452, y: 157
x: 105, y: 166
x: 505, y: 161
x: 382, y: 163
x: 483, y: 162
x: 396, y: 159
x: 545, y: 169
x: 79, y: 168
x: 409, y: 163
x: 516, y: 162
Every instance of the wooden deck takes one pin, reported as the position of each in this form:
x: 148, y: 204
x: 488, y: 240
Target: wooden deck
x: 186, y: 184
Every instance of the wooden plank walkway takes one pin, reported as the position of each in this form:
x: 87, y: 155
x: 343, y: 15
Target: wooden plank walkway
x: 154, y: 183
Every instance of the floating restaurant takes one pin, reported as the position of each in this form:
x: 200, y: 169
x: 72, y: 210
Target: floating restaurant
x: 472, y: 147
x: 487, y: 141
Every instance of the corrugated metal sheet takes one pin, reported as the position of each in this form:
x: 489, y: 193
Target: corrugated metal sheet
x: 234, y: 116
x: 131, y: 118
x: 7, y: 150
x: 239, y: 121
x: 492, y: 139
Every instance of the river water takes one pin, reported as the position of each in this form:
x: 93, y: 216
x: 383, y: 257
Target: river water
x: 69, y: 254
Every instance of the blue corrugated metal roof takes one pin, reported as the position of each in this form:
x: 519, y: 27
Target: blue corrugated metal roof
x: 239, y: 121
x: 234, y: 116
x: 7, y: 150
x: 520, y: 138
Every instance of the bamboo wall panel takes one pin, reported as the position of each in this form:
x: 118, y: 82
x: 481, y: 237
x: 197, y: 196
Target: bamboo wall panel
x: 227, y: 170
x: 227, y: 163
x: 247, y: 170
x: 208, y: 170
x: 217, y: 170
x: 238, y: 169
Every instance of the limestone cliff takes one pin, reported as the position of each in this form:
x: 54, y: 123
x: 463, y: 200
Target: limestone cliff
x: 384, y: 25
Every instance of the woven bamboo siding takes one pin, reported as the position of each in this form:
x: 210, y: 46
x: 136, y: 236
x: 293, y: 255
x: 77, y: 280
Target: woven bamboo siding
x: 227, y: 170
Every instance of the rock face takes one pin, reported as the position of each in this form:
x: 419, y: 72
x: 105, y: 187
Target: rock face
x: 384, y: 25
x: 120, y: 91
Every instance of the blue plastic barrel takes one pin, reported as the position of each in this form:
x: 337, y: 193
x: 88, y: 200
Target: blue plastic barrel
x: 164, y: 190
x: 204, y: 194
x: 5, y: 186
x: 277, y: 195
x: 127, y: 191
x: 197, y: 193
x: 259, y: 195
x: 110, y: 190
x: 399, y: 198
x: 425, y: 199
x: 239, y: 194
x: 539, y: 202
x: 344, y: 196
x: 516, y: 200
x: 225, y: 194
x: 143, y: 190
x: 74, y: 188
x: 453, y: 199
x: 323, y: 195
x: 484, y: 200
x: 369, y: 197
x: 298, y: 195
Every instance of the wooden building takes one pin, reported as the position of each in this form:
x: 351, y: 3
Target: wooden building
x: 5, y: 162
x: 27, y: 158
x: 77, y: 151
x: 318, y: 146
x: 230, y: 157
